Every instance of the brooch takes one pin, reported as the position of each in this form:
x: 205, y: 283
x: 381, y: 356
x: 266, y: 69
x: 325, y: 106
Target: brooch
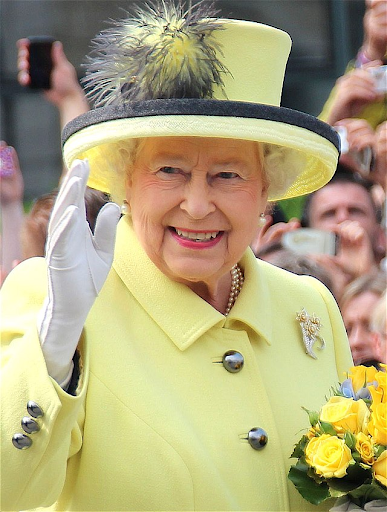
x: 310, y: 326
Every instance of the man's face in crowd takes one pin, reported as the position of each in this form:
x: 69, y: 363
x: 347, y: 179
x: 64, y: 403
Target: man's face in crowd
x: 339, y: 202
x: 356, y: 315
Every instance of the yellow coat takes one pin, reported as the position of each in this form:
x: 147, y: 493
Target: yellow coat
x: 158, y: 423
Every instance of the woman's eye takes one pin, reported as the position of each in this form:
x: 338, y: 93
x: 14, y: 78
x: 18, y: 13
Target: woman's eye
x: 227, y: 175
x: 169, y: 173
x: 169, y: 170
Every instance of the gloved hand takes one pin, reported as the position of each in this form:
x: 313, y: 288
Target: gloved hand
x: 78, y: 263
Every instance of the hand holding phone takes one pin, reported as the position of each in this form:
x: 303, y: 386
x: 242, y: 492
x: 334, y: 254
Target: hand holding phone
x: 35, y: 61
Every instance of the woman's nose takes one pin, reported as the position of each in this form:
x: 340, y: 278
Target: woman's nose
x: 197, y: 201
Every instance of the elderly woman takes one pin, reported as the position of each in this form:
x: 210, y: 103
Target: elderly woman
x: 172, y: 375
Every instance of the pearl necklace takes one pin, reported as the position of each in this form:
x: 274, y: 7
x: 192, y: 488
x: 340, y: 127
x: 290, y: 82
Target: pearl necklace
x: 237, y: 280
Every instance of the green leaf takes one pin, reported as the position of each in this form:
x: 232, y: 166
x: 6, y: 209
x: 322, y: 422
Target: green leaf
x: 336, y: 391
x: 327, y: 428
x: 299, y: 448
x: 379, y: 449
x: 336, y: 494
x: 313, y: 416
x: 350, y: 440
x: 309, y: 489
x: 355, y: 477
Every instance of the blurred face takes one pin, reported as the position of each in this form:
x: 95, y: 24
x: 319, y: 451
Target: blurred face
x: 338, y: 202
x: 356, y: 315
x: 195, y: 203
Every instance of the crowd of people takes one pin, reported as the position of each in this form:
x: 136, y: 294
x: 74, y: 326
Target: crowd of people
x: 353, y: 204
x: 350, y: 205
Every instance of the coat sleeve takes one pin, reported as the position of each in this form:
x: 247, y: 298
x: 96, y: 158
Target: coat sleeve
x: 34, y: 476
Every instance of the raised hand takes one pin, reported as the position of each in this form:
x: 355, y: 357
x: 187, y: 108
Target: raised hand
x: 271, y: 233
x: 354, y: 91
x: 65, y: 91
x: 78, y: 263
x: 375, y: 29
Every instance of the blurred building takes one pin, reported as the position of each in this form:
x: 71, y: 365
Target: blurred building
x: 326, y: 34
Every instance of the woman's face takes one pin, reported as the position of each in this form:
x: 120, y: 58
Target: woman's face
x: 195, y: 203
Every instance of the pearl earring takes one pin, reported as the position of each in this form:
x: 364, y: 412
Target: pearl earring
x: 261, y: 220
x: 125, y: 207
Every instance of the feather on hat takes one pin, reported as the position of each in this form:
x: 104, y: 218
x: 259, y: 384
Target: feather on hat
x: 163, y: 53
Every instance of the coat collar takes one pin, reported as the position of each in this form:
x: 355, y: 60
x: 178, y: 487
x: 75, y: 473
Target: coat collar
x: 178, y: 311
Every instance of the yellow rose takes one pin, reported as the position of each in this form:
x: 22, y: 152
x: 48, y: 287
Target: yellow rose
x: 311, y: 448
x: 361, y: 376
x: 379, y: 394
x: 377, y: 425
x: 345, y: 414
x: 329, y: 455
x: 379, y: 468
x: 365, y: 448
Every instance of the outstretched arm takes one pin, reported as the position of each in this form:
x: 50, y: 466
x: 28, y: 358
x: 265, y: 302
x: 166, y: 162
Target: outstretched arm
x: 65, y: 91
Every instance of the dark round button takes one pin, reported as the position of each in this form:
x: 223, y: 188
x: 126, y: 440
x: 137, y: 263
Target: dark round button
x: 21, y: 441
x: 34, y: 409
x: 29, y: 425
x: 257, y: 438
x: 233, y: 361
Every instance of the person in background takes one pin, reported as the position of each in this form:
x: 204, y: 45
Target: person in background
x: 68, y: 96
x: 11, y: 209
x: 357, y: 305
x: 160, y: 360
x: 65, y: 90
x: 379, y: 170
x: 356, y: 94
x: 379, y: 326
x: 346, y: 199
x: 344, y: 206
x: 35, y: 226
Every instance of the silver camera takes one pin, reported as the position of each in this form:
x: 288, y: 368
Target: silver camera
x: 310, y: 241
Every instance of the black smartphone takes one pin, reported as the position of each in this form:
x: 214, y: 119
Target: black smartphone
x: 40, y: 61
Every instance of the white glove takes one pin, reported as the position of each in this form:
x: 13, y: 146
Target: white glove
x: 78, y: 264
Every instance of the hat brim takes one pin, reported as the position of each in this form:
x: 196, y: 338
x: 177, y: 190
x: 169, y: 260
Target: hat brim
x: 315, y: 141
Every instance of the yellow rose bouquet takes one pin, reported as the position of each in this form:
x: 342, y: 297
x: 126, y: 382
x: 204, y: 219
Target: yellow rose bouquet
x: 344, y: 452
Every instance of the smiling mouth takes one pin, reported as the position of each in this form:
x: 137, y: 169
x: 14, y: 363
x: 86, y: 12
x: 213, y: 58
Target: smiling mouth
x: 194, y: 236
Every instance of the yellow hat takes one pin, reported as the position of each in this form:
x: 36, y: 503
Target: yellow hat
x: 173, y: 73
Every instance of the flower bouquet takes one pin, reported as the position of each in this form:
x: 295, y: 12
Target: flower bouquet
x: 344, y: 452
